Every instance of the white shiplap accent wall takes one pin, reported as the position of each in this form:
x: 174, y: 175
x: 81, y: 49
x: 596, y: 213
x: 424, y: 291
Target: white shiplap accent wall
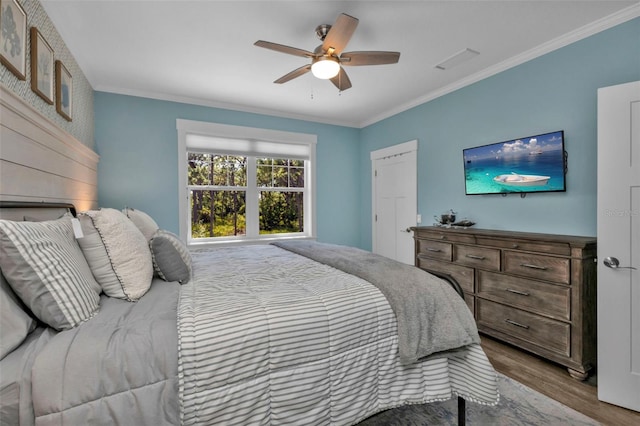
x: 41, y: 162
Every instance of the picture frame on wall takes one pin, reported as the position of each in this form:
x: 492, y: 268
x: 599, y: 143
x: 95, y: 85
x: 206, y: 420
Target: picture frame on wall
x: 41, y: 66
x: 13, y: 37
x: 64, y: 91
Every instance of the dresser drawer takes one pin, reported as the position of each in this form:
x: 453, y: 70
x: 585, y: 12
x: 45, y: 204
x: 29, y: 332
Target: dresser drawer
x: 463, y: 274
x: 560, y: 248
x: 543, y: 332
x: 435, y: 249
x: 477, y: 257
x: 534, y: 296
x: 434, y: 234
x: 548, y: 268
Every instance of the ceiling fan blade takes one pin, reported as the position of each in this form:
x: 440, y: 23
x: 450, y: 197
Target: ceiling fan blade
x: 369, y: 58
x: 293, y: 74
x: 284, y: 49
x: 340, y: 33
x: 341, y: 81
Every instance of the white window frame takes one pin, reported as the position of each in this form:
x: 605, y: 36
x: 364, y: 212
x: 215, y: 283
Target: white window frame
x: 250, y: 134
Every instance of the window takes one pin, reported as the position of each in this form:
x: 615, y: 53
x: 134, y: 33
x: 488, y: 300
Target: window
x: 217, y: 187
x: 244, y: 184
x: 281, y: 189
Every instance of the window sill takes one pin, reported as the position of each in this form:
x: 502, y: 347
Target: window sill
x: 245, y: 241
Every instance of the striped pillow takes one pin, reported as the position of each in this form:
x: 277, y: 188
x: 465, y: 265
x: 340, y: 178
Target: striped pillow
x: 44, y: 265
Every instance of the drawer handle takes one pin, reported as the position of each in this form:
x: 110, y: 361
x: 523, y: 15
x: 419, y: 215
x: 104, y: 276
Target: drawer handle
x: 528, y: 265
x: 515, y: 246
x: 517, y: 324
x: 443, y: 237
x: 473, y: 256
x: 522, y: 293
x: 434, y: 250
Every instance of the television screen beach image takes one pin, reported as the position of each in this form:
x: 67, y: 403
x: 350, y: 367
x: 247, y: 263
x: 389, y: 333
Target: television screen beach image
x: 530, y: 164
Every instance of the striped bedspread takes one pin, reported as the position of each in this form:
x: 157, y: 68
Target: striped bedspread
x: 268, y: 337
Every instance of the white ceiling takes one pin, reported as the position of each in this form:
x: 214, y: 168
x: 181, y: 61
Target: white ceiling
x: 202, y: 52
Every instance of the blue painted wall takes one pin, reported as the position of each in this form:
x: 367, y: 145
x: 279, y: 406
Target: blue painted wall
x: 557, y: 91
x: 137, y: 141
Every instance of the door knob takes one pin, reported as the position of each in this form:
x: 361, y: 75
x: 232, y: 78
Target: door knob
x: 614, y: 263
x: 406, y: 230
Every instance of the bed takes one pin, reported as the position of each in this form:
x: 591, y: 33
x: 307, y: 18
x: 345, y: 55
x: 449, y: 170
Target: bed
x: 294, y: 333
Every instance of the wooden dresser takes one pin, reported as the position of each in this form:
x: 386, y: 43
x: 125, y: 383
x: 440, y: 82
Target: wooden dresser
x: 535, y: 291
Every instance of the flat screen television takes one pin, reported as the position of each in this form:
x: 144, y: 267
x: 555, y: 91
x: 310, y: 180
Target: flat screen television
x: 530, y: 164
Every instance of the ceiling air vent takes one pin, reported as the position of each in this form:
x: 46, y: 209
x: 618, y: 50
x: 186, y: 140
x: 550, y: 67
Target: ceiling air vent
x: 457, y: 59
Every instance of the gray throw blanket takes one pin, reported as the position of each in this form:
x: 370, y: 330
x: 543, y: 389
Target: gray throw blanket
x: 431, y: 316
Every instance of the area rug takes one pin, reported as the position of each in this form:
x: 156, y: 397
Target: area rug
x: 519, y: 406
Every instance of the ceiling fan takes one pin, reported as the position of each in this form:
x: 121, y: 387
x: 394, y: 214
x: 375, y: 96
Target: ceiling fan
x: 326, y: 59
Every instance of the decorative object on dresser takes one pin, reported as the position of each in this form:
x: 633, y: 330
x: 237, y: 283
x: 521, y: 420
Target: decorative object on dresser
x: 535, y: 291
x: 445, y: 219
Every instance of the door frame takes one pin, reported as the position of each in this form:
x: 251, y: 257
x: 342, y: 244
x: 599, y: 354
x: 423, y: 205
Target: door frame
x: 380, y: 154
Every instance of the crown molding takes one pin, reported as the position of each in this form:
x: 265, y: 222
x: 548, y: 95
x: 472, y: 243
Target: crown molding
x: 221, y: 105
x: 593, y: 28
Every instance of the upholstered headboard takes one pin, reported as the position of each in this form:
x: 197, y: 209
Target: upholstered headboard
x: 41, y: 162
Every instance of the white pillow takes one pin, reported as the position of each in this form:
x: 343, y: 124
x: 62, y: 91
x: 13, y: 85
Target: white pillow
x: 143, y: 221
x: 117, y: 253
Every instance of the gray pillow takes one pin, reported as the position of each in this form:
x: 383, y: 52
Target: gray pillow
x: 15, y: 323
x: 117, y: 253
x: 44, y: 265
x: 171, y: 258
x: 143, y: 222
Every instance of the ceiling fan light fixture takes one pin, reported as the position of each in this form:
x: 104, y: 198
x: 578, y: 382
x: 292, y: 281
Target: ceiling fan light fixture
x: 327, y: 59
x: 325, y: 67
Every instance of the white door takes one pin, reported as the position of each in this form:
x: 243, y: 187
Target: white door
x: 619, y: 245
x: 394, y: 177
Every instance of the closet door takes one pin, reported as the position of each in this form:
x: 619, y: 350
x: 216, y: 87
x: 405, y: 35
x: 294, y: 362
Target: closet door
x: 394, y: 201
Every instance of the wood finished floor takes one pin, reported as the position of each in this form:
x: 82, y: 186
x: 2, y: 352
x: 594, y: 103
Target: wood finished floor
x: 553, y: 381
